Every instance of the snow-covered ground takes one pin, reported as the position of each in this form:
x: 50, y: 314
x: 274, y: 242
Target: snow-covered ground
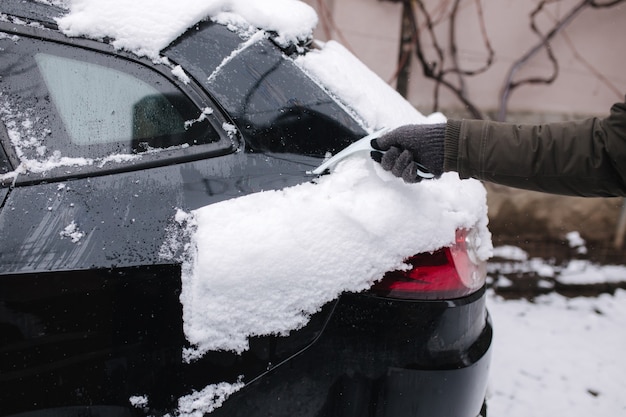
x: 558, y: 356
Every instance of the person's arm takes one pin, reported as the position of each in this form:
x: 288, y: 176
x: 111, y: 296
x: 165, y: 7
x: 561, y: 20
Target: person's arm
x: 586, y: 157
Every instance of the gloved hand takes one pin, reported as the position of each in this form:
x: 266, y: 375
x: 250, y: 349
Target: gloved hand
x: 409, y: 146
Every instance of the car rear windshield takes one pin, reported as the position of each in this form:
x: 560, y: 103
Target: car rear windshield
x: 275, y: 105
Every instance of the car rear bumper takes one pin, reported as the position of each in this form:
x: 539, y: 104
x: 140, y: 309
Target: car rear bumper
x: 361, y: 355
x: 378, y: 357
x: 457, y: 392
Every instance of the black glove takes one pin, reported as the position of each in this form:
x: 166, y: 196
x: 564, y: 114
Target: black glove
x: 407, y: 147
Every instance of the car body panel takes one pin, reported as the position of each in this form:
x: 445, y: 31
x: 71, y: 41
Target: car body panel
x: 110, y: 211
x: 84, y: 337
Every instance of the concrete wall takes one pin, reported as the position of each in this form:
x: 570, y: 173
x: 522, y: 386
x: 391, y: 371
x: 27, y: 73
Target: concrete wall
x: 596, y: 37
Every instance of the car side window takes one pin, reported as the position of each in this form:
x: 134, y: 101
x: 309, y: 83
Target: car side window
x: 101, y: 105
x: 63, y: 103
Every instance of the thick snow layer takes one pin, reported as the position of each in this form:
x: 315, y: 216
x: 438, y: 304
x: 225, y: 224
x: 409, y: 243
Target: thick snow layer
x: 145, y: 27
x: 335, y: 68
x: 306, y: 245
x: 266, y: 261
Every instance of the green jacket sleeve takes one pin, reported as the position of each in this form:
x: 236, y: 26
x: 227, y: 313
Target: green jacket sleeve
x: 584, y: 158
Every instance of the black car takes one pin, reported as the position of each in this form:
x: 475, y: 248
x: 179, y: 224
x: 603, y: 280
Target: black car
x: 95, y: 328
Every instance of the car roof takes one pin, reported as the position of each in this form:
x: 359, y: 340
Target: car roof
x: 32, y: 10
x: 47, y: 14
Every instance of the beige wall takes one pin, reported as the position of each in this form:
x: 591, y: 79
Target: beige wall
x: 371, y: 29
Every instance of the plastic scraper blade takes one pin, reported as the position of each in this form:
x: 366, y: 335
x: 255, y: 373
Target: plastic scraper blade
x: 361, y: 145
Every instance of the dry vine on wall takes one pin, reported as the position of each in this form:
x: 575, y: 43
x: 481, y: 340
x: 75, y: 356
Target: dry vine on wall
x: 443, y: 66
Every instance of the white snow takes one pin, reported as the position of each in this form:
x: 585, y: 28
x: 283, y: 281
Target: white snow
x: 145, y: 27
x: 72, y: 232
x: 509, y: 252
x: 179, y: 73
x: 205, y: 112
x: 200, y: 403
x: 251, y: 41
x: 266, y: 261
x: 378, y: 105
x: 577, y: 242
x: 231, y: 130
x: 139, y: 401
x: 575, y: 271
x: 585, y: 272
x: 558, y: 357
x: 325, y: 238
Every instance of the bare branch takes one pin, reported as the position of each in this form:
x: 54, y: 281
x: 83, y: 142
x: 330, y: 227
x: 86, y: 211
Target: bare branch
x: 454, y: 52
x: 444, y: 66
x: 598, y: 5
x: 544, y: 42
x: 487, y: 43
x: 436, y: 70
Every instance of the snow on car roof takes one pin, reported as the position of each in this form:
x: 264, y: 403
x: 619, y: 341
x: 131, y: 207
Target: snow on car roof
x: 146, y: 26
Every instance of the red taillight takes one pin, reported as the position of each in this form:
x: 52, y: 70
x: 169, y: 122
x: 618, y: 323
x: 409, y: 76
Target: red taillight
x: 451, y: 272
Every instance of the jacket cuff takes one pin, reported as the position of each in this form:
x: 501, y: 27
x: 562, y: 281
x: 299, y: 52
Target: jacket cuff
x: 451, y: 145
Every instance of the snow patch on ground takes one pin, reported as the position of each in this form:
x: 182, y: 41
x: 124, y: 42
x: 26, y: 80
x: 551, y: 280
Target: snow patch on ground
x: 512, y: 253
x: 576, y: 241
x: 585, y: 272
x: 509, y: 260
x: 558, y: 356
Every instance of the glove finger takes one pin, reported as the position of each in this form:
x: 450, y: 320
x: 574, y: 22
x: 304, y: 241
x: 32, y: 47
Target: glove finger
x: 410, y: 173
x: 376, y: 156
x: 374, y: 144
x: 381, y: 143
x: 402, y: 162
x: 403, y: 136
x: 389, y: 158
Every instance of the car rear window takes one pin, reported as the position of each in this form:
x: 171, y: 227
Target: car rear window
x: 275, y: 105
